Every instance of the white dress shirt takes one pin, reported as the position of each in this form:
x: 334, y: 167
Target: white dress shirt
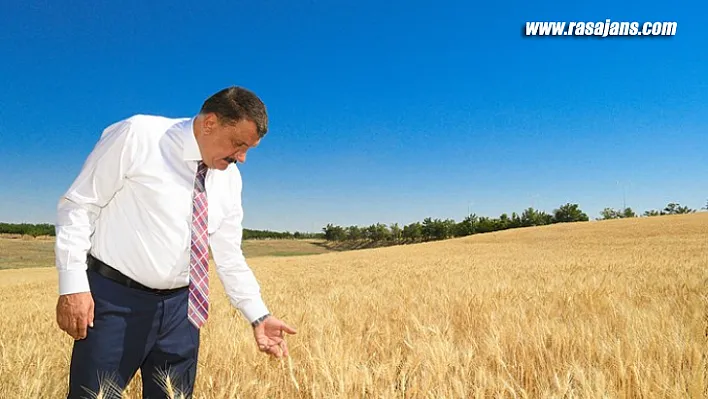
x: 131, y: 207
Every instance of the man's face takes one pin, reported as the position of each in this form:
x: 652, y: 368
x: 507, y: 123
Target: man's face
x: 223, y: 143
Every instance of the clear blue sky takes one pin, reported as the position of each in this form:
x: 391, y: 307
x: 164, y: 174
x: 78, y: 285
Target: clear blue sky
x: 380, y: 111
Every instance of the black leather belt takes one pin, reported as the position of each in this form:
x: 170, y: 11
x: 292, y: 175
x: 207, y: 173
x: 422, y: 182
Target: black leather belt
x: 114, y: 275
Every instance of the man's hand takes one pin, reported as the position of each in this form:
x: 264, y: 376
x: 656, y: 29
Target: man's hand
x: 270, y: 336
x: 75, y: 313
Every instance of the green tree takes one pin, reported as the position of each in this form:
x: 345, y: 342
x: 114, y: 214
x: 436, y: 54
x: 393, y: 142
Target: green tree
x: 334, y: 233
x: 437, y: 229
x: 485, y: 225
x: 354, y: 233
x: 444, y: 229
x: 377, y: 232
x: 671, y: 208
x: 413, y: 232
x: 367, y: 233
x: 628, y: 213
x: 545, y: 218
x: 466, y: 227
x: 528, y: 217
x: 428, y: 229
x: 569, y: 213
x: 685, y: 209
x: 396, y: 232
x: 515, y: 221
x: 676, y: 209
x: 532, y: 217
x: 609, y: 213
x: 504, y: 222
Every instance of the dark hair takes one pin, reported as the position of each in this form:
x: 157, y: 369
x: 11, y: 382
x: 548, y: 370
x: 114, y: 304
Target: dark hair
x: 234, y: 104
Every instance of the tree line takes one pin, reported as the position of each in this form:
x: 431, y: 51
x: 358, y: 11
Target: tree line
x: 439, y: 229
x: 428, y: 229
x: 45, y: 229
x: 249, y: 234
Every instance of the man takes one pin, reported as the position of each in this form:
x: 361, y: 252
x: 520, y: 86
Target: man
x: 132, y: 239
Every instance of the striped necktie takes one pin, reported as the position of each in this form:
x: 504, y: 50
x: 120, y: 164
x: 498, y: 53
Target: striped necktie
x: 199, y: 259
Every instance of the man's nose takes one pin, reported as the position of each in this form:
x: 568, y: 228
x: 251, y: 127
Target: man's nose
x: 241, y: 157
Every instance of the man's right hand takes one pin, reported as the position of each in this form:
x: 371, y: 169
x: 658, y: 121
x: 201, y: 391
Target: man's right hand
x: 75, y: 313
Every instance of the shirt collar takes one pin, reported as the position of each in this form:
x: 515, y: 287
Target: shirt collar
x: 190, y: 150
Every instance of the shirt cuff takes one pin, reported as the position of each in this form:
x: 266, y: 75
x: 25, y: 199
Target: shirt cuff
x: 73, y: 281
x: 253, y: 309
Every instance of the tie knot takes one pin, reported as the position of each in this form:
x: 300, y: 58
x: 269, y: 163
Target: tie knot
x: 201, y: 176
x: 201, y: 170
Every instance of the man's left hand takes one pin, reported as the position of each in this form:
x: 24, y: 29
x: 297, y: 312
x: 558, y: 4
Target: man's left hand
x: 270, y: 336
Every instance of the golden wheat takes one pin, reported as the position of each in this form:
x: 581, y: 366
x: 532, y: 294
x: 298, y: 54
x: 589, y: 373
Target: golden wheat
x: 612, y: 309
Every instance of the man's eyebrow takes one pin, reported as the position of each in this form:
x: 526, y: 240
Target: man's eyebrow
x: 239, y: 142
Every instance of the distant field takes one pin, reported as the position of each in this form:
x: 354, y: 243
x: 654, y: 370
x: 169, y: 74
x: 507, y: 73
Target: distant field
x: 26, y: 252
x: 611, y: 309
x: 18, y: 252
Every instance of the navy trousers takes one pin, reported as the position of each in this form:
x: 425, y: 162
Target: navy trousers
x: 133, y: 330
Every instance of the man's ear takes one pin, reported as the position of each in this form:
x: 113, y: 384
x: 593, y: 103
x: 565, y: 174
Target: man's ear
x: 210, y: 122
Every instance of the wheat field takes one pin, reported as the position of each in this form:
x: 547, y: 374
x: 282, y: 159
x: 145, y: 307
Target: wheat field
x: 611, y: 309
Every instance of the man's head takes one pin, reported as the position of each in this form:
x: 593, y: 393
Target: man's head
x: 230, y: 123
